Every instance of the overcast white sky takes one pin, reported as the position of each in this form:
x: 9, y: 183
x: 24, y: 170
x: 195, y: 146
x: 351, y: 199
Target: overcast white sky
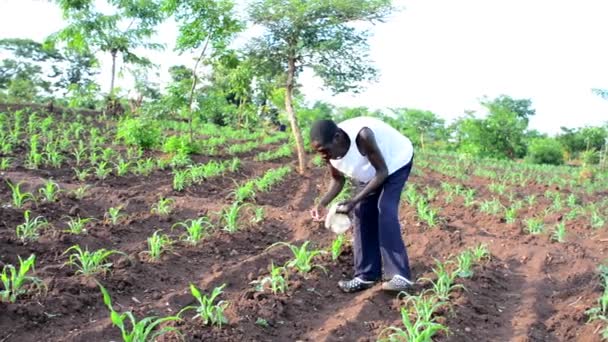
x: 445, y: 55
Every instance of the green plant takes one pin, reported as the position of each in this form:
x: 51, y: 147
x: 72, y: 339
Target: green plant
x: 511, y: 215
x: 5, y: 163
x: 258, y: 215
x: 77, y: 225
x: 49, y: 191
x: 469, y: 197
x: 303, y: 258
x: 418, y: 330
x: 596, y: 220
x: 244, y: 191
x: 13, y: 280
x: 139, y: 132
x: 113, y: 215
x: 559, y: 233
x: 157, y: 244
x: 122, y: 167
x: 196, y: 229
x: 534, y: 225
x: 30, y: 229
x: 444, y: 284
x: 81, y: 191
x: 465, y: 264
x: 336, y: 246
x: 162, y: 207
x: 180, y: 180
x: 208, y: 311
x: 19, y: 198
x: 480, y: 252
x: 102, y: 171
x: 89, y: 263
x: 82, y: 175
x: 230, y: 217
x: 141, y: 331
x: 277, y: 280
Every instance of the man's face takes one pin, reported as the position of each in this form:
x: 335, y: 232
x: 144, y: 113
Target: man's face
x: 327, y: 151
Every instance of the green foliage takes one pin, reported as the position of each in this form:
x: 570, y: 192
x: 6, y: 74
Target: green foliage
x: 14, y: 280
x: 141, y: 132
x: 141, y: 331
x: 181, y: 145
x: 545, y: 151
x: 303, y: 258
x: 89, y: 263
x: 209, y: 312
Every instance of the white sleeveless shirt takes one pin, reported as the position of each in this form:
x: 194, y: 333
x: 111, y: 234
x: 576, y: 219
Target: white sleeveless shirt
x: 397, y: 150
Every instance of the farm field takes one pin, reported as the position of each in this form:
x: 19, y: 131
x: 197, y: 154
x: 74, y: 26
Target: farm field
x: 501, y: 251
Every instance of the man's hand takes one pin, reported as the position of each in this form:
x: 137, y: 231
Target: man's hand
x: 317, y: 213
x: 345, y: 207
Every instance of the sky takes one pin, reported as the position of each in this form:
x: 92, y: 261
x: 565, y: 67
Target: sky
x: 442, y: 56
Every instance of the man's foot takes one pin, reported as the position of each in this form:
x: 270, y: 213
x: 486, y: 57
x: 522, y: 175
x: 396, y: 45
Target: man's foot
x: 355, y: 284
x: 398, y: 283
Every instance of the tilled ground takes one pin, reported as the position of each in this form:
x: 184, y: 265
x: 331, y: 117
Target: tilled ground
x: 532, y: 289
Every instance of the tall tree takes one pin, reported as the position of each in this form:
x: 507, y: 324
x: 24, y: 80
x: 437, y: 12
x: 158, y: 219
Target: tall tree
x: 128, y: 25
x: 204, y: 26
x: 420, y: 125
x: 317, y: 34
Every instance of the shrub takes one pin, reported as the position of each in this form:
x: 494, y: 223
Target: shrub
x: 545, y: 151
x: 140, y: 132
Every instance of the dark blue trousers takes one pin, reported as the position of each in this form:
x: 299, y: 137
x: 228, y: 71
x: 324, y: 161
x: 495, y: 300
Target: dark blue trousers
x: 377, y: 232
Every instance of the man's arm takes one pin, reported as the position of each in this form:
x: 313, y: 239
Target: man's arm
x: 370, y: 147
x: 336, y: 185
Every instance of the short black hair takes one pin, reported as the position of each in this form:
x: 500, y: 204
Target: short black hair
x: 323, y: 131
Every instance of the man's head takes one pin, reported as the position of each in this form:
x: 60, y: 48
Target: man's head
x: 328, y: 139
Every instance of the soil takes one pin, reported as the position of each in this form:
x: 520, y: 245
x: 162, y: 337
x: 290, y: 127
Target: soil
x: 532, y: 289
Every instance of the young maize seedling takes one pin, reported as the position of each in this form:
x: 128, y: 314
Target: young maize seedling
x: 196, y: 229
x: 258, y: 215
x: 13, y: 280
x: 141, y: 331
x: 534, y: 226
x: 557, y: 203
x: 5, y: 163
x: 209, y: 312
x: 417, y: 331
x: 54, y: 158
x: 89, y: 263
x: 145, y: 168
x: 559, y: 233
x: 336, y: 246
x: 102, y: 171
x: 81, y: 191
x: 234, y: 164
x: 411, y: 195
x: 79, y: 152
x: 19, y: 198
x: 572, y: 214
x: 600, y: 312
x: 49, y: 191
x: 277, y: 280
x: 180, y: 180
x: 511, y: 215
x: 480, y: 252
x: 230, y: 217
x: 77, y: 225
x: 597, y: 221
x: 122, y: 167
x: 82, y: 175
x: 531, y: 200
x: 113, y: 215
x: 465, y: 264
x: 303, y: 258
x: 93, y: 156
x: 469, y: 197
x: 490, y: 207
x: 572, y: 201
x: 318, y: 161
x: 157, y: 244
x: 424, y: 306
x: 245, y: 191
x: 444, y: 284
x: 30, y: 229
x: 431, y: 193
x: 162, y: 207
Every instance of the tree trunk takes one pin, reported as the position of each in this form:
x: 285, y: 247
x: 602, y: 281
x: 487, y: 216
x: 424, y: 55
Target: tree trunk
x: 113, y: 52
x: 422, y: 140
x: 291, y: 70
x: 194, y: 81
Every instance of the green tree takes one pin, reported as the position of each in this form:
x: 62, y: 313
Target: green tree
x: 501, y: 134
x: 545, y: 151
x: 127, y: 27
x: 207, y: 26
x: 420, y: 125
x: 317, y: 34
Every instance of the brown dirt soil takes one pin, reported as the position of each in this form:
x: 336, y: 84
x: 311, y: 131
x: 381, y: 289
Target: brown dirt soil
x: 532, y: 289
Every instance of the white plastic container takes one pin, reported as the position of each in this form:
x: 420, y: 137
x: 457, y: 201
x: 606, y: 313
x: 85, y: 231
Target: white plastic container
x: 336, y: 222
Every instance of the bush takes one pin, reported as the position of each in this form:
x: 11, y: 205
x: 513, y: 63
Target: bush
x: 180, y: 145
x: 545, y: 151
x: 140, y: 132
